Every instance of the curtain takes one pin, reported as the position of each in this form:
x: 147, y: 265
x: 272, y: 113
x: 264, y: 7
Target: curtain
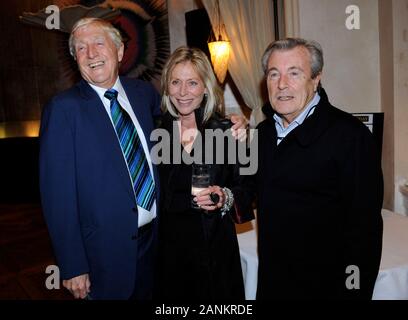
x: 249, y: 25
x: 291, y: 21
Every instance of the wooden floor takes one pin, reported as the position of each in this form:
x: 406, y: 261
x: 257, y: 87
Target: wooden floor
x: 25, y: 252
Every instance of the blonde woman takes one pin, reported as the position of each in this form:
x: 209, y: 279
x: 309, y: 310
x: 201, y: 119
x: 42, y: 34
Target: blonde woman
x: 199, y: 255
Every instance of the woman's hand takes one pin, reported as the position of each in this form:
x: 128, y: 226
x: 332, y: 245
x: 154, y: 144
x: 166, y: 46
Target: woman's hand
x: 211, y: 198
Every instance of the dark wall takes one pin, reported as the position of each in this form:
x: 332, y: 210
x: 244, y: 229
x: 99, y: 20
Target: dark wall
x: 29, y: 68
x: 28, y: 73
x: 19, y: 170
x: 198, y: 29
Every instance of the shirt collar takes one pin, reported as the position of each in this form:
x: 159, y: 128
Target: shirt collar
x: 302, y: 116
x: 101, y: 91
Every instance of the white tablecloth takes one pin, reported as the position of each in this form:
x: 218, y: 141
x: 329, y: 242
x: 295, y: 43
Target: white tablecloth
x: 392, y: 280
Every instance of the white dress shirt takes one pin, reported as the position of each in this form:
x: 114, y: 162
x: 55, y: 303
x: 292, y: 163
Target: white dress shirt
x: 145, y: 216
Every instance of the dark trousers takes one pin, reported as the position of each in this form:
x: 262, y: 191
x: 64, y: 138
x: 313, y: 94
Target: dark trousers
x: 146, y: 260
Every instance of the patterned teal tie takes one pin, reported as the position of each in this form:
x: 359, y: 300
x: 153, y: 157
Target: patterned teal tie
x: 132, y: 148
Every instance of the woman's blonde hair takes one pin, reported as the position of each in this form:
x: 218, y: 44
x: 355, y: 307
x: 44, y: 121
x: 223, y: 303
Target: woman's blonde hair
x: 214, y: 101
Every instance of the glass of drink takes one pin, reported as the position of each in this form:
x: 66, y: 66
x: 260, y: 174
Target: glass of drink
x: 200, y: 179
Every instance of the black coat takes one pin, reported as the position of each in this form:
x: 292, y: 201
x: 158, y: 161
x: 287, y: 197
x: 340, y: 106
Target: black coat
x: 320, y: 195
x: 198, y: 252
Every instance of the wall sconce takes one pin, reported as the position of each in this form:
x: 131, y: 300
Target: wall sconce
x: 219, y: 47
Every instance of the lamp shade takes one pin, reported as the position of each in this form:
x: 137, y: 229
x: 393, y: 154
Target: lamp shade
x: 220, y: 51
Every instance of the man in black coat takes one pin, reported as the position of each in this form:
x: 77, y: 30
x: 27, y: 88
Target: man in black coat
x: 319, y: 185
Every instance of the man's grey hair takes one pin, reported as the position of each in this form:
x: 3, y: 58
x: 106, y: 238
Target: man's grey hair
x: 105, y: 25
x: 314, y: 48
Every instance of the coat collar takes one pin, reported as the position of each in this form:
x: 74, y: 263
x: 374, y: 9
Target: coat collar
x: 167, y: 119
x: 313, y: 127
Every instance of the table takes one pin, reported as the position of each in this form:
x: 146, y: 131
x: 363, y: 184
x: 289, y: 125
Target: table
x: 392, y: 280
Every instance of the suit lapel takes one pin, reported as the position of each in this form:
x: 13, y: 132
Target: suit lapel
x: 137, y: 100
x: 92, y: 105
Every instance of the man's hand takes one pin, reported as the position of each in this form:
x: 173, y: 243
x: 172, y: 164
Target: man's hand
x: 239, y: 127
x: 78, y: 286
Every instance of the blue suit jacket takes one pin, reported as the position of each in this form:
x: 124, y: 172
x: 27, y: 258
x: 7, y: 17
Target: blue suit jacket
x: 86, y: 193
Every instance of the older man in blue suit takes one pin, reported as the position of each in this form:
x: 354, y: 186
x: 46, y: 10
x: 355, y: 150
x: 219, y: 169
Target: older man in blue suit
x: 98, y: 186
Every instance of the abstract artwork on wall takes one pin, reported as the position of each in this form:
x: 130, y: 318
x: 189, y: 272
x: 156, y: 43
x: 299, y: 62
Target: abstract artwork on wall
x: 143, y: 25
